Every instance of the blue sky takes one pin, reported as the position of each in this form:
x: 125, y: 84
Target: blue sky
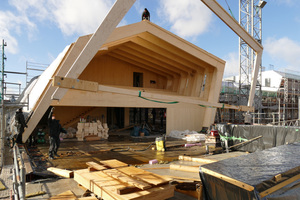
x: 38, y: 30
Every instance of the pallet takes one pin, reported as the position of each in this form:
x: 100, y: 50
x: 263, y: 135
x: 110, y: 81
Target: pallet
x: 123, y: 182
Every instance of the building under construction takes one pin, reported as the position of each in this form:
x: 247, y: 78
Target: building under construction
x: 279, y: 102
x: 103, y: 85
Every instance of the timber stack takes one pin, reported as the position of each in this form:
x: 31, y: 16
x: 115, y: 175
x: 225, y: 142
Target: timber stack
x: 92, y: 131
x: 113, y: 179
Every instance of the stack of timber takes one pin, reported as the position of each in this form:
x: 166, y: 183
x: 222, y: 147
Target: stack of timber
x: 113, y: 179
x: 92, y: 131
x: 270, y: 174
x: 187, y: 167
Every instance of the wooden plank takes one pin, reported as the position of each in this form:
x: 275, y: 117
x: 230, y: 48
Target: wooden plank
x: 68, y: 195
x: 199, y: 160
x: 77, y: 84
x: 145, y: 176
x: 106, y: 187
x: 228, y: 179
x: 92, y: 138
x: 279, y: 186
x: 88, y: 198
x: 61, y: 172
x: 99, y: 183
x: 96, y: 166
x: 185, y: 168
x: 114, y: 173
x: 113, y: 163
x: 27, y: 165
x: 256, y: 138
x: 214, y: 6
x: 278, y: 177
x: 180, y: 178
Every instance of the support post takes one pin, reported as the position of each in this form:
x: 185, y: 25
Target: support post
x: 2, y: 108
x: 254, y: 77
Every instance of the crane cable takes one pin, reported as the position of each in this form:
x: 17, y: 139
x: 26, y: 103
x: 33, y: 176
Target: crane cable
x: 229, y: 9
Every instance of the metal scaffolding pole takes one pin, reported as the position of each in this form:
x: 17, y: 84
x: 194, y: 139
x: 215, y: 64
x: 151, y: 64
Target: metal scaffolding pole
x: 2, y: 108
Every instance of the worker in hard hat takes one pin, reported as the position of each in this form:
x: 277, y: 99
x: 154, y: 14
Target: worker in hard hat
x: 146, y: 15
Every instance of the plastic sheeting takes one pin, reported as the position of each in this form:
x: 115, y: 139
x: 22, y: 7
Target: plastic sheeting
x: 273, y: 136
x: 256, y: 169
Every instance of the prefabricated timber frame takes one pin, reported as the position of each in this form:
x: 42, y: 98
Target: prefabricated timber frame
x: 69, y: 83
x: 115, y: 15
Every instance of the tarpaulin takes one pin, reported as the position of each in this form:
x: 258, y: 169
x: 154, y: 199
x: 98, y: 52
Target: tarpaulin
x: 252, y: 176
x: 272, y: 136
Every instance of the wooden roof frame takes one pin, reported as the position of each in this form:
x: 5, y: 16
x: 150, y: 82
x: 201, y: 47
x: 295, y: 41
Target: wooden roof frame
x: 105, y: 34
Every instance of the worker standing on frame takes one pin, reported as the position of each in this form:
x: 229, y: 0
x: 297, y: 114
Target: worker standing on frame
x: 146, y: 15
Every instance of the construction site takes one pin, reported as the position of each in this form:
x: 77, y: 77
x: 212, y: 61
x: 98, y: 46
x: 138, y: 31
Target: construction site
x: 142, y: 113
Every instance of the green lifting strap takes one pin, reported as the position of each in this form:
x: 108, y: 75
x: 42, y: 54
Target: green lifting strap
x: 140, y: 95
x: 232, y: 138
x: 223, y: 105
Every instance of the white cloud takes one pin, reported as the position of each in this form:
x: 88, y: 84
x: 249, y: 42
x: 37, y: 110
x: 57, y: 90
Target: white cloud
x: 189, y: 18
x: 78, y: 16
x: 232, y: 64
x: 284, y: 49
x: 71, y: 16
x: 10, y: 25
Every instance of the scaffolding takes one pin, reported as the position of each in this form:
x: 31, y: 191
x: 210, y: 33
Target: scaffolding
x: 34, y: 69
x: 250, y: 18
x: 278, y: 107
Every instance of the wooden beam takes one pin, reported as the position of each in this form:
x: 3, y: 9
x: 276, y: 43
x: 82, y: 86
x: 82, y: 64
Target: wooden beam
x: 168, y: 53
x: 185, y: 168
x: 145, y: 65
x: 240, y: 31
x: 113, y: 18
x: 61, y: 172
x: 143, y: 175
x: 113, y: 163
x: 149, y: 55
x: 184, y: 49
x: 214, y: 6
x: 96, y: 166
x: 257, y: 64
x: 135, y: 92
x: 227, y: 179
x: 279, y: 186
x: 178, y: 60
x: 75, y: 84
x: 199, y: 160
x: 114, y: 173
x: 142, y: 58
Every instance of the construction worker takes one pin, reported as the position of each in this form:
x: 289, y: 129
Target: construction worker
x: 146, y: 15
x: 20, y: 124
x: 54, y: 131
